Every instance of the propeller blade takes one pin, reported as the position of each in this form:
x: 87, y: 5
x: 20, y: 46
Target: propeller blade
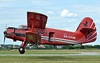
x: 4, y: 36
x: 4, y: 39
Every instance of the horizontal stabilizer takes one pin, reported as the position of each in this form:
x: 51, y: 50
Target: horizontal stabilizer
x: 87, y: 31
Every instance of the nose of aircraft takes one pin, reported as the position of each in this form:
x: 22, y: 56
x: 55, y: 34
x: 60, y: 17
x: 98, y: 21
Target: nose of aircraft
x: 5, y: 32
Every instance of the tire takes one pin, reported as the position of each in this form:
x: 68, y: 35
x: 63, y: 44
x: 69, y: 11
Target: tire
x: 21, y: 50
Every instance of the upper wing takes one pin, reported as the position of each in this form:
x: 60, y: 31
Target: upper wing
x: 36, y: 19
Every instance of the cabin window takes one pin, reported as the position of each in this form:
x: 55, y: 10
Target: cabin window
x: 51, y: 34
x: 20, y: 35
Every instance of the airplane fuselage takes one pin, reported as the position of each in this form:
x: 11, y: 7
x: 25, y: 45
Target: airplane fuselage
x: 60, y: 37
x: 48, y: 36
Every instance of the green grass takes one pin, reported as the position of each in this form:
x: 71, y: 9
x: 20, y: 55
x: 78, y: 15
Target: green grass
x: 38, y: 52
x: 75, y: 51
x: 50, y: 59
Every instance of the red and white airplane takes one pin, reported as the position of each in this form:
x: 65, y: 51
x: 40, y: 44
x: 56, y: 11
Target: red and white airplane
x: 36, y: 32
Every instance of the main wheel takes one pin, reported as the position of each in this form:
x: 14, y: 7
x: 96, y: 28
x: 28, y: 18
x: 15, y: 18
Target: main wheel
x: 21, y: 50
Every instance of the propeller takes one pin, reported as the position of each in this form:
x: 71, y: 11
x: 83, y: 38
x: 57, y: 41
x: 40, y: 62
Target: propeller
x: 5, y: 34
x: 4, y: 39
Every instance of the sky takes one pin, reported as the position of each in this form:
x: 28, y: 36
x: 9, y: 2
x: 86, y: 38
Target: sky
x: 62, y: 14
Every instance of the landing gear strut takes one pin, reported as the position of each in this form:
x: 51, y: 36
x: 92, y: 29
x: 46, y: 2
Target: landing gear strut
x: 21, y: 50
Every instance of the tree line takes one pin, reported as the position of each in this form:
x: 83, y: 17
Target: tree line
x: 9, y: 46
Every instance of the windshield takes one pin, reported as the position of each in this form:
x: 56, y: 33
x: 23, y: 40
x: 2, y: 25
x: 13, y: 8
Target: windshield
x: 22, y: 27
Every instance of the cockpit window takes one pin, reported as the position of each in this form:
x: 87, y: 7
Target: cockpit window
x: 22, y: 27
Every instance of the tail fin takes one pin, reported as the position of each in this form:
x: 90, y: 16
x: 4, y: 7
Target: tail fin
x: 88, y: 28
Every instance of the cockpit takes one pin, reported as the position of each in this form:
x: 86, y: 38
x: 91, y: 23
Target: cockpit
x: 23, y: 27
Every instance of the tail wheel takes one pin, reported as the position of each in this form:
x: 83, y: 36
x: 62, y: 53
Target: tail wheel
x: 82, y: 47
x: 21, y: 50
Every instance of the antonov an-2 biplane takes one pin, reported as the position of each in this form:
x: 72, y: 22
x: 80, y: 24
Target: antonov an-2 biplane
x: 35, y: 32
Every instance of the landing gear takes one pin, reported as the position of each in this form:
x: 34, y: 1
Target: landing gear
x: 82, y: 47
x: 21, y: 50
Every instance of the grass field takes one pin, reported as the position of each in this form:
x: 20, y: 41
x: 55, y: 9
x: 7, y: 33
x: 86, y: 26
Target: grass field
x: 49, y: 59
x: 74, y: 51
x: 40, y: 52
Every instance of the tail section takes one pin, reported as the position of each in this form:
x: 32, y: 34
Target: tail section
x: 86, y: 23
x: 88, y: 28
